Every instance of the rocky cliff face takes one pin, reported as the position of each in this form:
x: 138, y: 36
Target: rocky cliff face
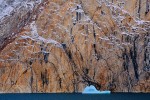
x: 73, y: 43
x: 14, y: 15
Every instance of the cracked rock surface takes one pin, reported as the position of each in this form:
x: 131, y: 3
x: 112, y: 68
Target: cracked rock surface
x: 66, y: 45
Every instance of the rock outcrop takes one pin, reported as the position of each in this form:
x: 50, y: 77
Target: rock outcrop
x: 14, y: 15
x: 74, y: 43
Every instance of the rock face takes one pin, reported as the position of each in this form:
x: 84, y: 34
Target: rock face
x: 14, y: 15
x: 74, y: 43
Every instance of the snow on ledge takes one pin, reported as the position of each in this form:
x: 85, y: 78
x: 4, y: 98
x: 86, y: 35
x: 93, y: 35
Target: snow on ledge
x: 6, y: 7
x: 33, y: 35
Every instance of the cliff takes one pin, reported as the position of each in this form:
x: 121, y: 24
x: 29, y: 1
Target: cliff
x: 65, y: 45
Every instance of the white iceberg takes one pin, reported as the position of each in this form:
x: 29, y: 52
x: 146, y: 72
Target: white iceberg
x: 92, y: 90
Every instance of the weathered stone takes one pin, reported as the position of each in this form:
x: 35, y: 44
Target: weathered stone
x: 74, y: 43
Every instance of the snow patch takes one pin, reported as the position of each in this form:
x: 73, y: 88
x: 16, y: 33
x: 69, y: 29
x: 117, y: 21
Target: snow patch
x: 6, y: 11
x: 33, y: 35
x: 104, y: 38
x: 140, y: 22
x: 6, y: 7
x: 33, y: 27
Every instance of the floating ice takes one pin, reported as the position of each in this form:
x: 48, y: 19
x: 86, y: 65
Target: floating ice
x: 92, y: 90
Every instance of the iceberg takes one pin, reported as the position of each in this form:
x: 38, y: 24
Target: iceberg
x: 92, y: 90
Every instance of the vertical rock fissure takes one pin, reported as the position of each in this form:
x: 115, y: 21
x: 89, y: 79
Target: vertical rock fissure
x: 97, y: 54
x: 139, y: 9
x: 78, y: 14
x: 94, y: 45
x: 72, y: 38
x: 44, y: 78
x: 74, y: 69
x: 94, y: 34
x: 147, y: 7
x: 126, y: 60
x: 126, y: 68
x: 60, y: 82
x: 45, y: 53
x: 147, y: 53
x: 133, y: 55
x: 31, y: 79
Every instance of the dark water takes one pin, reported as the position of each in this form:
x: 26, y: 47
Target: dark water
x: 76, y: 96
